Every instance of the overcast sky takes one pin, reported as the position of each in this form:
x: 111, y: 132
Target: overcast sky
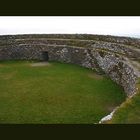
x: 121, y: 26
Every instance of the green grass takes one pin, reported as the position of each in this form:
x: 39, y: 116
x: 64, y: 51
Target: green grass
x: 59, y: 93
x: 129, y: 111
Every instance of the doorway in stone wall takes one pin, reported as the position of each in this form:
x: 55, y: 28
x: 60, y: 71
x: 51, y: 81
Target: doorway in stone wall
x: 45, y: 56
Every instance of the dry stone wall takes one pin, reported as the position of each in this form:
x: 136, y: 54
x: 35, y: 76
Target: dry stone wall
x: 115, y: 56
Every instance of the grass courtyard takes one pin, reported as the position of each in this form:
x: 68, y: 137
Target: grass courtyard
x: 54, y: 93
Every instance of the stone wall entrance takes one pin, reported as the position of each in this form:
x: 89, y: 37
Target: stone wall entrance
x: 45, y: 56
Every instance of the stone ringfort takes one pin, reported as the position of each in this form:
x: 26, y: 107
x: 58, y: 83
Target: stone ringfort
x: 117, y: 57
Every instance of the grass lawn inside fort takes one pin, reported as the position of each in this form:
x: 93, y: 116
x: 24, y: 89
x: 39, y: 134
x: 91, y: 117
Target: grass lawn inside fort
x: 55, y: 93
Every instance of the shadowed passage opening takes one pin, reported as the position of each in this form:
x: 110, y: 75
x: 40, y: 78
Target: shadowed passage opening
x: 45, y: 56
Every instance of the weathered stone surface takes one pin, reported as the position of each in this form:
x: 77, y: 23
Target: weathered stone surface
x: 111, y: 55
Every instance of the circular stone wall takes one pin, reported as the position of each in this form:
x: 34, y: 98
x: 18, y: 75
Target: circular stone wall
x: 118, y: 57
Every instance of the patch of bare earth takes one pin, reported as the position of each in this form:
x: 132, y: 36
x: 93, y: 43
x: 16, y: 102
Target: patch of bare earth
x: 8, y: 75
x: 1, y: 65
x: 95, y: 76
x: 40, y: 64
